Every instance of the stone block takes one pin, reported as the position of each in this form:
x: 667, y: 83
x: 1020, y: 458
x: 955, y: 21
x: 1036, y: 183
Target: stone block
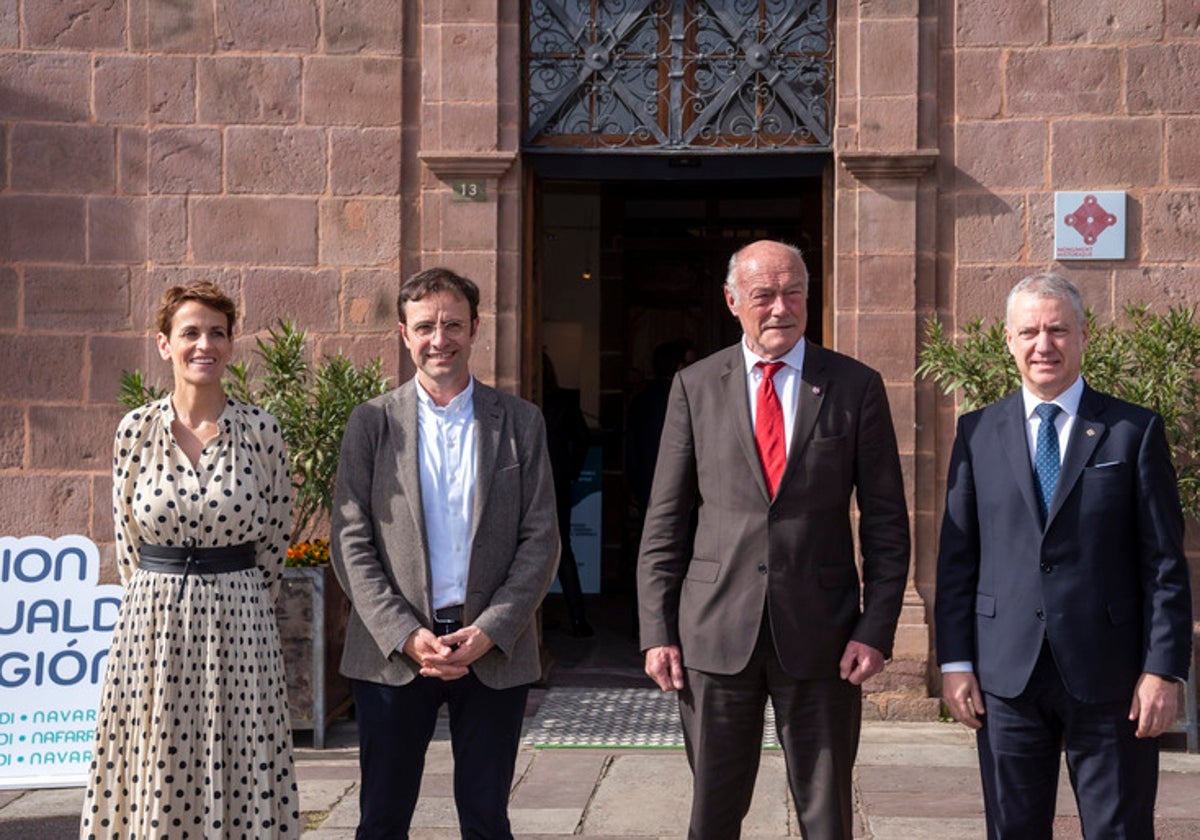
x: 276, y: 231
x: 308, y: 298
x: 248, y: 89
x: 468, y: 126
x: 353, y: 91
x: 10, y: 28
x: 1181, y: 19
x: 1158, y: 286
x: 109, y: 356
x: 133, y: 177
x: 75, y: 24
x: 166, y: 224
x: 888, y: 50
x: 102, y: 527
x: 989, y: 227
x: 171, y: 26
x: 369, y: 301
x: 999, y: 23
x: 1106, y: 21
x: 913, y: 709
x: 12, y: 437
x: 46, y: 228
x: 981, y: 291
x: 1169, y: 224
x: 1161, y: 78
x: 43, y: 504
x: 469, y: 67
x: 365, y: 162
x: 185, y: 160
x: 353, y: 26
x: 116, y: 230
x: 171, y: 91
x: 40, y: 367
x: 10, y: 297
x: 888, y: 124
x: 77, y: 298
x: 268, y: 25
x: 1086, y: 80
x: 888, y: 343
x: 62, y: 158
x: 119, y: 88
x: 44, y: 86
x: 360, y: 231
x: 886, y: 283
x: 887, y: 218
x: 1183, y: 151
x: 1005, y: 155
x: 1093, y: 154
x: 275, y: 160
x: 78, y: 439
x: 900, y: 675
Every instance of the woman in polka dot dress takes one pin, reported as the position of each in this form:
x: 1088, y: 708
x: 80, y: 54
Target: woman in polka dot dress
x: 193, y: 739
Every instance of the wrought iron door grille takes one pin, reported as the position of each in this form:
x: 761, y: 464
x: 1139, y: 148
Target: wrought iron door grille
x: 678, y: 74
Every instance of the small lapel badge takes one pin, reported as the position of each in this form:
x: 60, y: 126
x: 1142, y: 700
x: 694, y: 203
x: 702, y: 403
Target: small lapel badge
x: 1091, y: 433
x: 817, y: 390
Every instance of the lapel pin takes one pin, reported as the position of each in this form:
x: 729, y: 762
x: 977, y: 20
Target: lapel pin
x: 817, y: 390
x: 1091, y: 432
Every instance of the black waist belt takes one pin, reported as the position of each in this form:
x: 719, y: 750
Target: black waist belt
x: 185, y: 559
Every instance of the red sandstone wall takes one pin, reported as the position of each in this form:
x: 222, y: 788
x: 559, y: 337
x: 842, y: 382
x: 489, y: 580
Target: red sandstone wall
x: 143, y: 142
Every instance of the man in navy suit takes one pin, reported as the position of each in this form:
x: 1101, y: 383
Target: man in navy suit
x: 1063, y: 597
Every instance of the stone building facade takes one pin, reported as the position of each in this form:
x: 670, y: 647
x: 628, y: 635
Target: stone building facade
x: 305, y: 153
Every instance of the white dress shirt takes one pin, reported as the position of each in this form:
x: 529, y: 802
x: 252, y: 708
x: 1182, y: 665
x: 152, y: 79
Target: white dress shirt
x: 446, y: 445
x: 787, y: 384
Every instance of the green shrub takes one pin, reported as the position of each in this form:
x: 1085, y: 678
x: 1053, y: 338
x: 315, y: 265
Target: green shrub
x: 312, y: 403
x: 1152, y: 360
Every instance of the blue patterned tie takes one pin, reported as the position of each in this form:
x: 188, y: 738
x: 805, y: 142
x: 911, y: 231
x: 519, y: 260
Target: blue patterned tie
x: 1045, y: 457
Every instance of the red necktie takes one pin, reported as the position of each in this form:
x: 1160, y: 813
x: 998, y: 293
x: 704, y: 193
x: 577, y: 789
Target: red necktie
x: 768, y: 427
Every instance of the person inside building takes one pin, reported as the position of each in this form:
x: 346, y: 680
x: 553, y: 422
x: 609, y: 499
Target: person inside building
x: 1063, y: 608
x: 765, y: 443
x: 192, y: 736
x: 445, y: 539
x: 567, y: 439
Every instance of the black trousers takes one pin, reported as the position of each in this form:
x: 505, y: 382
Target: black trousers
x: 1114, y: 775
x: 818, y: 723
x: 395, y: 725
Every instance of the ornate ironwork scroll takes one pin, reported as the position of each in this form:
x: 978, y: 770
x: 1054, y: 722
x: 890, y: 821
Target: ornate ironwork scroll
x: 678, y: 74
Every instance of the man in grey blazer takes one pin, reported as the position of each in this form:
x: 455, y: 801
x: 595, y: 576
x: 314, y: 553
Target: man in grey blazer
x: 445, y: 540
x: 766, y: 442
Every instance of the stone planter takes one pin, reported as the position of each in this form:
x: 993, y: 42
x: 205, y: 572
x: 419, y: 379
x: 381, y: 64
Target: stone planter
x: 312, y: 612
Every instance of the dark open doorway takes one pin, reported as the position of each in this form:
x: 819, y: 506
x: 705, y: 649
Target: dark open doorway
x: 622, y: 266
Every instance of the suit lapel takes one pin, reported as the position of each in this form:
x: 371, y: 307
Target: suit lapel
x: 402, y: 415
x: 489, y: 418
x: 1086, y: 434
x: 737, y: 394
x: 811, y: 388
x: 1014, y: 445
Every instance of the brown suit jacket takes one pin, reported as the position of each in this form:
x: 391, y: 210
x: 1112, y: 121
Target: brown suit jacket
x: 792, y: 555
x: 379, y: 546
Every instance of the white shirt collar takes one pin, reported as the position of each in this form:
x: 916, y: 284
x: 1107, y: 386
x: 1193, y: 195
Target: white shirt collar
x: 793, y: 358
x: 456, y: 405
x: 1068, y: 400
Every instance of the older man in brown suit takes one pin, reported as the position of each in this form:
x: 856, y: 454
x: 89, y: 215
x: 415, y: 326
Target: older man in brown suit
x: 445, y: 539
x: 767, y: 441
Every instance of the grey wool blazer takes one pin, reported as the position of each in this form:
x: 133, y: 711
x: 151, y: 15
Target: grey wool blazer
x: 380, y: 551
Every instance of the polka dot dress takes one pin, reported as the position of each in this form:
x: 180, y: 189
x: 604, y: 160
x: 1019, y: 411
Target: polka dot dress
x: 193, y: 737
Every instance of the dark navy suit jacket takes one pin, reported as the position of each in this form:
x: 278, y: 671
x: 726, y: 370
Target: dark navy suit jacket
x: 1104, y: 580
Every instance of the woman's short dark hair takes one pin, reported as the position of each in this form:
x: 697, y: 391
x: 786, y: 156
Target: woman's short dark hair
x: 201, y: 291
x: 433, y: 280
